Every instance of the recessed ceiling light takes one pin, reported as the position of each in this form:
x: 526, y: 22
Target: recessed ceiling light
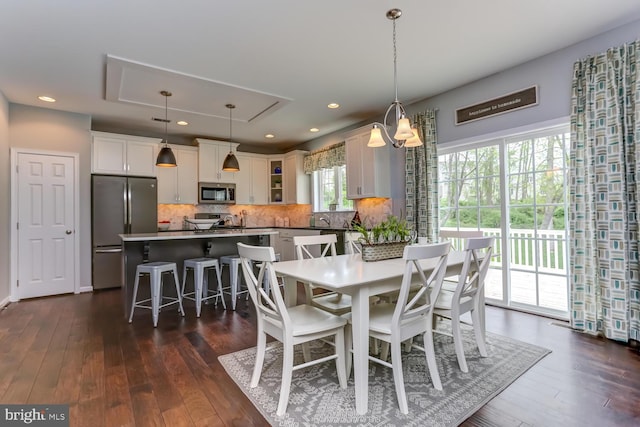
x: 269, y: 135
x: 314, y: 130
x: 46, y: 98
x: 333, y: 105
x: 182, y: 123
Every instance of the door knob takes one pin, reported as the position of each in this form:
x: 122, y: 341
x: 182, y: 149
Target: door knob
x: 68, y: 232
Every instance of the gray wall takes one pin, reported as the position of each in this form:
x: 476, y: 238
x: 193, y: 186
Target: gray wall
x: 51, y: 130
x: 551, y: 73
x: 5, y: 206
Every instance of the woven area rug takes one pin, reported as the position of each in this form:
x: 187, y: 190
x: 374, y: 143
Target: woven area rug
x: 317, y: 400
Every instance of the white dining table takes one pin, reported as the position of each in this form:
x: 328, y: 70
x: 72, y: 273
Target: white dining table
x: 349, y: 274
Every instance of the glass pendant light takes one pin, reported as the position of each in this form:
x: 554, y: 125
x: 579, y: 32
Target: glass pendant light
x: 403, y: 130
x: 414, y: 141
x: 166, y: 158
x: 230, y: 163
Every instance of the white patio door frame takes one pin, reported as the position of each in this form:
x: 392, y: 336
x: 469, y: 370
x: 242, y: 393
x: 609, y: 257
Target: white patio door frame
x: 500, y: 140
x: 14, y: 234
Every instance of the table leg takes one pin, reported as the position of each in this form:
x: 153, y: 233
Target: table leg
x: 360, y: 330
x: 290, y: 291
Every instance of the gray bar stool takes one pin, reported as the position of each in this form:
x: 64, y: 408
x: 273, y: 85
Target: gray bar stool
x: 233, y: 261
x: 155, y: 271
x: 201, y: 292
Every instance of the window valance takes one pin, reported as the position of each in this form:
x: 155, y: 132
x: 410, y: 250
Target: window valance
x: 325, y: 158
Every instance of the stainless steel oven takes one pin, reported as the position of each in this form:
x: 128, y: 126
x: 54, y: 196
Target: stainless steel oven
x: 216, y: 192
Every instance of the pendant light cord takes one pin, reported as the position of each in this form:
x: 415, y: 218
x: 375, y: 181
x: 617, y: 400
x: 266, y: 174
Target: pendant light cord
x: 230, y: 107
x: 395, y: 60
x: 166, y: 120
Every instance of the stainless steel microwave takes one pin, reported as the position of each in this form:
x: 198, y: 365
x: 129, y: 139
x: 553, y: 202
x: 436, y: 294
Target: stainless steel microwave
x: 216, y: 192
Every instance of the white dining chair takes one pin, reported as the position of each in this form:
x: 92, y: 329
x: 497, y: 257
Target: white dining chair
x: 291, y: 326
x: 411, y: 315
x: 467, y: 297
x: 457, y: 237
x: 312, y: 247
x: 458, y: 243
x: 351, y: 242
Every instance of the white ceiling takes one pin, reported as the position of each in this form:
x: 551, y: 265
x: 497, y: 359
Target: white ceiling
x: 305, y: 54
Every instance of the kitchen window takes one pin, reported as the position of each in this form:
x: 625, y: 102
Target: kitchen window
x: 330, y: 190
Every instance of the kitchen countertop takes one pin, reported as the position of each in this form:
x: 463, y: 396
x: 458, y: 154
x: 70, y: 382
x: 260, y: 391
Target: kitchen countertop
x: 207, y: 234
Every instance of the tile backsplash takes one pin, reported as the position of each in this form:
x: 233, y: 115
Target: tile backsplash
x: 371, y: 212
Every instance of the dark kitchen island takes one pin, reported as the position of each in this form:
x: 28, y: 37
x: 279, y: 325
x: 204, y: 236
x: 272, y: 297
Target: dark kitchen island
x: 176, y: 246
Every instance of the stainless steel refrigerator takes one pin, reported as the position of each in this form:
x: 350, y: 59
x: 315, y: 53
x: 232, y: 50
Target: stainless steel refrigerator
x: 119, y: 205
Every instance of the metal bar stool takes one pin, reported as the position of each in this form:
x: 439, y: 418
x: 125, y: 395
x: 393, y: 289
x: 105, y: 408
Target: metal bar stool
x: 233, y: 261
x: 155, y: 271
x: 201, y: 292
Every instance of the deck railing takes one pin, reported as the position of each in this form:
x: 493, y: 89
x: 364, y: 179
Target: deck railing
x: 547, y: 250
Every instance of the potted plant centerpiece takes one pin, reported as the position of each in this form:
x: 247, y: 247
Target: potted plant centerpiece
x: 385, y: 240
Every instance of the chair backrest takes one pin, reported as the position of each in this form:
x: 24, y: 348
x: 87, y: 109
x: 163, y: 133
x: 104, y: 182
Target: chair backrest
x: 478, y: 252
x: 350, y: 242
x: 457, y: 236
x: 412, y: 304
x: 304, y: 245
x: 269, y: 302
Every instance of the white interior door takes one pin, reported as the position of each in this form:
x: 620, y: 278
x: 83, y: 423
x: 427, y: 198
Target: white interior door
x: 46, y: 241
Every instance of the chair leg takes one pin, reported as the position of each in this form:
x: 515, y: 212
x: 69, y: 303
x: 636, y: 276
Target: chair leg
x: 348, y: 348
x: 198, y: 288
x: 177, y: 282
x: 221, y: 295
x: 308, y: 293
x: 135, y: 294
x: 155, y: 280
x: 374, y: 346
x: 384, y: 350
x: 478, y: 332
x: 184, y: 278
x: 233, y: 278
x: 340, y: 361
x: 287, y: 373
x: 457, y: 341
x: 430, y: 354
x: 306, y: 351
x: 398, y: 379
x: 261, y: 348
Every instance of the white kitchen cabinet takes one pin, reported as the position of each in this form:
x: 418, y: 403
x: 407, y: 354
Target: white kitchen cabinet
x: 368, y: 169
x: 283, y: 244
x: 296, y: 186
x: 116, y: 154
x: 179, y: 185
x: 211, y: 155
x: 251, y: 181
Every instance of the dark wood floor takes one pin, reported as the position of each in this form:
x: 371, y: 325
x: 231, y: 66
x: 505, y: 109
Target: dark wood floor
x: 79, y: 349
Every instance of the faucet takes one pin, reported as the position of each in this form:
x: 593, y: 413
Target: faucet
x: 325, y: 219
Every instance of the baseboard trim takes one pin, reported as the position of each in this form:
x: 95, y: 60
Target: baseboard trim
x: 84, y: 289
x: 5, y: 302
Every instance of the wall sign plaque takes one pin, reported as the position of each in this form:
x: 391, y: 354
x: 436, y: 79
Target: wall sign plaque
x: 513, y: 101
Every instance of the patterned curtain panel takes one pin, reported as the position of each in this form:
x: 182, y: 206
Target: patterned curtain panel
x: 421, y: 176
x: 325, y: 158
x: 605, y: 168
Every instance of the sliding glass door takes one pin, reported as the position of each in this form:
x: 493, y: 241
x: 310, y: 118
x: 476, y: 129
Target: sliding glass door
x: 514, y: 189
